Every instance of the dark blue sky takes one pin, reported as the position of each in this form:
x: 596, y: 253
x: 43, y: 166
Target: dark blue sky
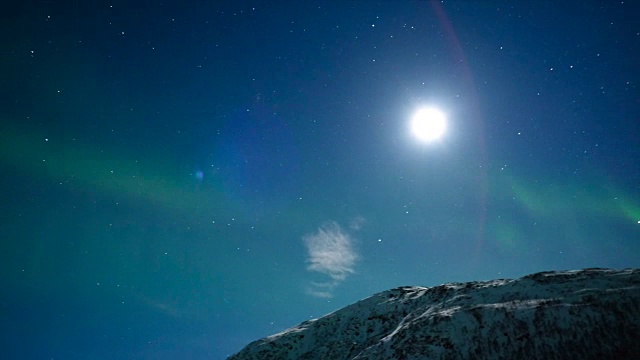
x: 180, y: 179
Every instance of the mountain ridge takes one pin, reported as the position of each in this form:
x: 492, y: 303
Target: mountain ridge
x: 592, y: 313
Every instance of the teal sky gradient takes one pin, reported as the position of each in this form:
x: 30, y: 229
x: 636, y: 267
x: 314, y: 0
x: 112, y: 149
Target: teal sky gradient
x: 181, y: 179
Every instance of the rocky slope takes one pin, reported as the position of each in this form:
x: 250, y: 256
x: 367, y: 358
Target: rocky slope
x: 584, y: 314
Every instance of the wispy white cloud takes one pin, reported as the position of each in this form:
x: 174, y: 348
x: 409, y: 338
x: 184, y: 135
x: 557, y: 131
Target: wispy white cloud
x: 330, y: 252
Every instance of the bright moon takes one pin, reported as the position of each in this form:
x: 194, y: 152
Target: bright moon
x: 428, y: 124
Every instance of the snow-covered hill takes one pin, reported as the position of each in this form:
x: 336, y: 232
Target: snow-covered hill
x: 583, y: 314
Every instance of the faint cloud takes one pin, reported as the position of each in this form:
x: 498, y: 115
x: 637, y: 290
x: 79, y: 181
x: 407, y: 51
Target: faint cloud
x: 322, y: 289
x: 329, y: 252
x: 357, y: 223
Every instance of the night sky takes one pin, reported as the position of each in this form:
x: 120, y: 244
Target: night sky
x: 181, y: 178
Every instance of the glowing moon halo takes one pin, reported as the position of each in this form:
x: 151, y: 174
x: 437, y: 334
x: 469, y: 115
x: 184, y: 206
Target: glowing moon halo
x: 428, y: 124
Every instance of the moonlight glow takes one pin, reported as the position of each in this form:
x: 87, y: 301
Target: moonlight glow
x: 428, y: 124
